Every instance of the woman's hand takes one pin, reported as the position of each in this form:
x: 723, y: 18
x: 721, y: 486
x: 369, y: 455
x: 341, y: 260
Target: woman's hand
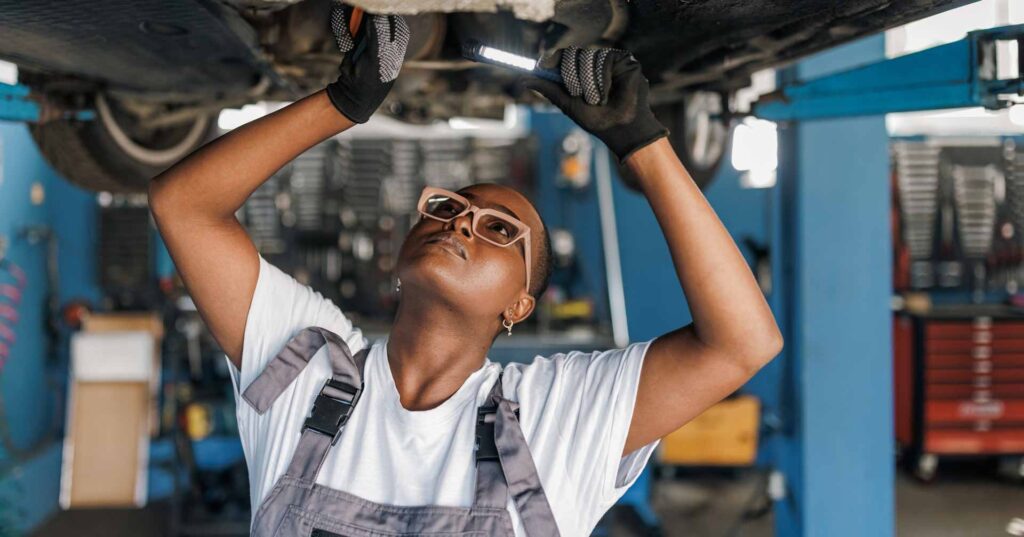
x: 605, y: 92
x: 368, y: 70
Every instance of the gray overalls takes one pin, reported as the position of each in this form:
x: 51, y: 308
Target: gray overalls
x: 297, y: 506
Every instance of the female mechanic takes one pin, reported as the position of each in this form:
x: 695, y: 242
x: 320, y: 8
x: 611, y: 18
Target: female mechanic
x: 419, y: 433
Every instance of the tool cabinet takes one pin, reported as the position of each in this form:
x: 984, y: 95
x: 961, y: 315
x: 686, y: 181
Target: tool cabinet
x: 959, y: 383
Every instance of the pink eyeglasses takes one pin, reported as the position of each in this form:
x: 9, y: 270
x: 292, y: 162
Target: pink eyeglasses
x: 490, y: 225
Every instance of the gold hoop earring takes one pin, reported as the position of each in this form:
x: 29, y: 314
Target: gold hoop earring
x: 508, y: 325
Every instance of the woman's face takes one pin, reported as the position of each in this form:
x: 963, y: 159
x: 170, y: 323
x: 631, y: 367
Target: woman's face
x: 447, y: 260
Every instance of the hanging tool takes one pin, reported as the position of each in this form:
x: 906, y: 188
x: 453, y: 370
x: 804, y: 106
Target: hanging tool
x: 10, y: 292
x: 8, y: 313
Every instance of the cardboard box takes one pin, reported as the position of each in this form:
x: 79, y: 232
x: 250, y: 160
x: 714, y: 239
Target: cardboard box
x: 145, y: 321
x: 724, y: 435
x: 106, y: 448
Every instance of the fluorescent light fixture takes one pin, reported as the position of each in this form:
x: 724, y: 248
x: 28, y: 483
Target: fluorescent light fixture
x: 755, y: 150
x: 1016, y: 114
x: 8, y: 73
x: 510, y: 121
x: 463, y: 123
x: 758, y: 178
x: 508, y: 58
x: 231, y: 118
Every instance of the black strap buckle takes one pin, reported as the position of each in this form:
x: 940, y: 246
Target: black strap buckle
x: 486, y: 449
x: 332, y: 408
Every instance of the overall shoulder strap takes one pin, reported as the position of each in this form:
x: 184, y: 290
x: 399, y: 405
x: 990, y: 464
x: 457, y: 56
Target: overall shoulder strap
x: 517, y: 473
x: 491, y: 489
x: 333, y: 405
x: 283, y: 368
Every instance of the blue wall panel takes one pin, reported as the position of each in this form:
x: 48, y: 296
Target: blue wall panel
x: 33, y: 382
x: 22, y: 378
x: 574, y: 210
x: 654, y: 300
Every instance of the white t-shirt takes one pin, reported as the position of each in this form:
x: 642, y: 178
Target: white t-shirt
x: 575, y: 411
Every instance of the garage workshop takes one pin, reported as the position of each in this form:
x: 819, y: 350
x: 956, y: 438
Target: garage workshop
x: 511, y: 268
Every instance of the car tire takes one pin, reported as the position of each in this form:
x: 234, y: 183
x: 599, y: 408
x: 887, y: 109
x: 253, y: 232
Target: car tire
x: 112, y: 152
x: 699, y: 132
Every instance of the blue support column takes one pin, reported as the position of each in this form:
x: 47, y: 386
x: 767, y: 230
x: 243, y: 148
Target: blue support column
x: 835, y: 287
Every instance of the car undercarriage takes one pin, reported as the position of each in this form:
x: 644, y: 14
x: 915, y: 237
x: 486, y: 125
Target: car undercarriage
x: 158, y: 72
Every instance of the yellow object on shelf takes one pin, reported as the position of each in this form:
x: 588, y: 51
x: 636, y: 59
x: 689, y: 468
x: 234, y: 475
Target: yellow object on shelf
x: 724, y: 435
x: 198, y: 421
x: 573, y: 309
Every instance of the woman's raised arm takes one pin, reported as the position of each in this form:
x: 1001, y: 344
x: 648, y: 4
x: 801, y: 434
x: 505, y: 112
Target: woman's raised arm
x: 733, y: 333
x: 194, y: 202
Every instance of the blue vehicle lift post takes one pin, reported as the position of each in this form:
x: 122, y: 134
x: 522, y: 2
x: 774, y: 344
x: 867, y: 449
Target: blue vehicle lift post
x: 831, y: 254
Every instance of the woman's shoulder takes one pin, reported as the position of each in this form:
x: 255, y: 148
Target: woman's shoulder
x: 546, y: 364
x: 541, y: 372
x: 570, y: 369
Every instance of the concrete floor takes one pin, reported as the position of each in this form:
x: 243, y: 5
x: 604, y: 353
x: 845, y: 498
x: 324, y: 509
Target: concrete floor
x: 711, y: 507
x: 958, y: 506
x: 961, y: 503
x: 965, y: 500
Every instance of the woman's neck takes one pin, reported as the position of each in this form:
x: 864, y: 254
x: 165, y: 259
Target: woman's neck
x: 432, y: 350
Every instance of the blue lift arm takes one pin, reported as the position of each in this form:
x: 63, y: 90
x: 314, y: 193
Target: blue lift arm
x: 16, y: 104
x: 956, y: 75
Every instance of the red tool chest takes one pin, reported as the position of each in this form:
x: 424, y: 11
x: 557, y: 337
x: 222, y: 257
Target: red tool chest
x: 959, y: 386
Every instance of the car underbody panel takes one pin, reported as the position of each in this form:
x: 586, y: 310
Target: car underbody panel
x: 718, y: 43
x: 201, y: 49
x: 531, y: 10
x: 170, y: 47
x: 157, y: 72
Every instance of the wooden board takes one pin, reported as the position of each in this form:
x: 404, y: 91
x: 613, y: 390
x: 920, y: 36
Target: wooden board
x: 106, y: 430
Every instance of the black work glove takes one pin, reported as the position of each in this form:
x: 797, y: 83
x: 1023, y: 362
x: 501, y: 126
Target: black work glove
x: 367, y: 73
x: 605, y: 93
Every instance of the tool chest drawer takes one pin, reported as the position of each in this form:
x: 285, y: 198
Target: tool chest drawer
x: 990, y: 343
x: 973, y: 442
x: 981, y: 411
x: 969, y: 360
x: 983, y: 391
x: 979, y: 375
x: 979, y: 328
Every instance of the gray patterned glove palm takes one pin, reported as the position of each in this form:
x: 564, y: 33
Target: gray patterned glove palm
x: 605, y: 93
x: 366, y: 76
